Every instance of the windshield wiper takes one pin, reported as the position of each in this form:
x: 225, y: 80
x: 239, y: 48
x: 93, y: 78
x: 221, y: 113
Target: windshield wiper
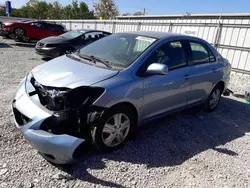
x: 102, y: 61
x: 86, y: 57
x: 93, y: 59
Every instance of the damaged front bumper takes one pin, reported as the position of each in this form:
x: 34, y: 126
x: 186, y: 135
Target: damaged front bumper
x: 29, y: 115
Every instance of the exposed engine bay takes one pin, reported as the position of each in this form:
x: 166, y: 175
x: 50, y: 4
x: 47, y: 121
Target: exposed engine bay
x: 73, y: 108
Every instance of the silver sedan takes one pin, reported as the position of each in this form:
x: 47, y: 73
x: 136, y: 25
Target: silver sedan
x: 102, y: 92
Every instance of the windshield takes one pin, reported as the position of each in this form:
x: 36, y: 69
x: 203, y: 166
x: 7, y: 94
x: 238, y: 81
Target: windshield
x: 26, y: 21
x: 119, y: 50
x: 72, y: 34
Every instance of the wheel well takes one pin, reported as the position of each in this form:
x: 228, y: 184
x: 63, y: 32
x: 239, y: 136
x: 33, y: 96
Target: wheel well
x: 129, y: 105
x: 221, y: 85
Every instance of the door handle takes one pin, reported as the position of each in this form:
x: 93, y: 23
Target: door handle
x: 186, y: 77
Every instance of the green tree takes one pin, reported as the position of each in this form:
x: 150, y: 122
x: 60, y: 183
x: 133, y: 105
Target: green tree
x: 16, y: 13
x: 138, y: 14
x: 2, y: 12
x: 38, y: 9
x: 55, y: 10
x: 67, y: 13
x: 85, y: 13
x: 106, y: 9
x: 126, y: 14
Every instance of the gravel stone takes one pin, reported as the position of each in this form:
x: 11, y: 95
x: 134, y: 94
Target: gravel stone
x: 36, y: 180
x: 3, y: 171
x: 187, y: 149
x: 3, y: 185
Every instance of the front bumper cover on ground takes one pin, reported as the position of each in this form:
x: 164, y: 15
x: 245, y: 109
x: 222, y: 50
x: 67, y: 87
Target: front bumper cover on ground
x: 4, y: 33
x: 28, y: 116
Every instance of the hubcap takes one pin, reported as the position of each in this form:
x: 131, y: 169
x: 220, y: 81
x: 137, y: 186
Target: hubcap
x: 214, y: 99
x: 115, y: 130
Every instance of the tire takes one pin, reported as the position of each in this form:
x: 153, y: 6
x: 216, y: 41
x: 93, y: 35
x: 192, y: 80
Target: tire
x: 19, y: 32
x: 214, y: 98
x: 102, y: 139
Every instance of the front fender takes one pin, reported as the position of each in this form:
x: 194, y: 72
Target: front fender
x: 120, y: 89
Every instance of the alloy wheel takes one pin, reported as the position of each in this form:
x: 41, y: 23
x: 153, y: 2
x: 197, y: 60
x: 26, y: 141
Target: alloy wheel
x: 116, y: 130
x: 19, y: 32
x: 214, y: 99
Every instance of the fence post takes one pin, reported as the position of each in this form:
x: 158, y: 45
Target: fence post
x: 139, y: 26
x: 113, y: 27
x: 218, y: 35
x: 70, y: 25
x: 95, y: 24
x: 170, y: 29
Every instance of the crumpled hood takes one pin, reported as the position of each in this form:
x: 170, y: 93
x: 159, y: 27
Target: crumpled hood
x: 66, y: 72
x: 54, y: 40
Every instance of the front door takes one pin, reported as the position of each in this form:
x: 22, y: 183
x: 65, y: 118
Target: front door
x: 163, y: 93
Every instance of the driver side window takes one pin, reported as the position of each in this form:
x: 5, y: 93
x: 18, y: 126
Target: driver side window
x: 172, y: 54
x: 39, y: 25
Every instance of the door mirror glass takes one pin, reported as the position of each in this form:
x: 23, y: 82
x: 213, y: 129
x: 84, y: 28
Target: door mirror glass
x: 157, y: 69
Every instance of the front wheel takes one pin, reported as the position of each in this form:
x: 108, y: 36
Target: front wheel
x: 213, y: 99
x: 19, y: 32
x: 113, y: 128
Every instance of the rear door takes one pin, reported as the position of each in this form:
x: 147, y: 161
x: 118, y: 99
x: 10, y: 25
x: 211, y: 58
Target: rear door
x: 51, y: 30
x: 206, y: 71
x: 36, y: 30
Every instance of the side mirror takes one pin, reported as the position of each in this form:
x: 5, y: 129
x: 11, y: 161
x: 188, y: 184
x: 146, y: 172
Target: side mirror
x: 157, y: 69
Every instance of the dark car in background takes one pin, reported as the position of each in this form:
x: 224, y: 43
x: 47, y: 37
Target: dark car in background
x: 52, y: 47
x: 31, y: 30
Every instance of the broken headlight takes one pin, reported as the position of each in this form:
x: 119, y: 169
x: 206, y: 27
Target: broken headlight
x: 83, y: 96
x: 59, y: 99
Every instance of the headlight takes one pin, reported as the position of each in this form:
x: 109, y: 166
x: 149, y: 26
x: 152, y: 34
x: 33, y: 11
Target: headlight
x: 59, y: 99
x: 83, y: 96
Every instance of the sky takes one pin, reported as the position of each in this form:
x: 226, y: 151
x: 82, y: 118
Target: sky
x: 168, y: 6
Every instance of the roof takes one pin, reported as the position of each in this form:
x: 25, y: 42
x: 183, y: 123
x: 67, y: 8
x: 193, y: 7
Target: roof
x: 90, y: 30
x: 155, y: 34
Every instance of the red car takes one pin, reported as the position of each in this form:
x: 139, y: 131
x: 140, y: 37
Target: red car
x: 31, y: 30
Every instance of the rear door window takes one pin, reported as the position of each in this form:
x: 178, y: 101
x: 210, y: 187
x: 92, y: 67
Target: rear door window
x: 93, y: 36
x: 201, y: 53
x: 52, y: 27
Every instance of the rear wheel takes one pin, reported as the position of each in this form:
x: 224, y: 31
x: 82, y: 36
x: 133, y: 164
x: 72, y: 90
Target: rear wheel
x: 113, y: 128
x: 213, y: 99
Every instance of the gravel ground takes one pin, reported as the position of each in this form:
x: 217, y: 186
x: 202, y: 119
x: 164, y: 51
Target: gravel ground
x: 188, y: 149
